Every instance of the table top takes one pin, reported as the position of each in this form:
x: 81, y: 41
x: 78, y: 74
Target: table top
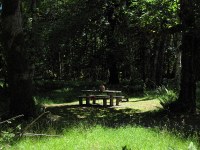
x: 105, y: 91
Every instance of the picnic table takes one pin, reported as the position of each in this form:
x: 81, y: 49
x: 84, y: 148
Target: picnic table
x: 100, y: 95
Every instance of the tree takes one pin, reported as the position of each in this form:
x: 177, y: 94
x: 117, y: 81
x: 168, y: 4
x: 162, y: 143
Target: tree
x: 111, y: 44
x: 18, y: 68
x: 187, y: 96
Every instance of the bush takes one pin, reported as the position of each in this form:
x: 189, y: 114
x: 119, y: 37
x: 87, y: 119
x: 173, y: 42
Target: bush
x: 133, y: 87
x: 166, y: 96
x: 9, y: 133
x: 49, y: 84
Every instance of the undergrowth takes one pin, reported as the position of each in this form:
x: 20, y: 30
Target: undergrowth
x: 166, y: 96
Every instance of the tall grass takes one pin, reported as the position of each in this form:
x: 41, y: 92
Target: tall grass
x: 102, y: 138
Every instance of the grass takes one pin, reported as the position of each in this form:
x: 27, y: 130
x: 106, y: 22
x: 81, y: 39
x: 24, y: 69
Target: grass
x: 137, y: 124
x: 102, y: 128
x: 102, y: 138
x: 56, y: 96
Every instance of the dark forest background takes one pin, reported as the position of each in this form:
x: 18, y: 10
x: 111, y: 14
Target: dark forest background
x: 141, y: 45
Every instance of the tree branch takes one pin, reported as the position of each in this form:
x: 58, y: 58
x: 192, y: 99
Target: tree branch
x: 29, y: 125
x: 13, y: 118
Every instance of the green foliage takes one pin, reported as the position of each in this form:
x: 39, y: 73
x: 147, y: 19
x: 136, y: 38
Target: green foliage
x: 155, y: 15
x: 60, y: 91
x: 133, y: 87
x: 6, y: 137
x: 71, y: 37
x: 166, y: 96
x: 9, y: 132
x: 49, y: 84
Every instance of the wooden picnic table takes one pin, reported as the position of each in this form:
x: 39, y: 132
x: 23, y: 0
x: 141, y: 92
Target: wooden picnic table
x: 97, y: 94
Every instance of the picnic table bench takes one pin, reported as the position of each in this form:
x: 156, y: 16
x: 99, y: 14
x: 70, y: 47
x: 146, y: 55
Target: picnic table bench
x: 100, y: 95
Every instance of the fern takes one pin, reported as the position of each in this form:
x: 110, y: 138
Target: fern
x: 166, y: 96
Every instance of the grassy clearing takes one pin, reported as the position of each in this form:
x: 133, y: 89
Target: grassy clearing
x: 137, y: 124
x: 102, y: 138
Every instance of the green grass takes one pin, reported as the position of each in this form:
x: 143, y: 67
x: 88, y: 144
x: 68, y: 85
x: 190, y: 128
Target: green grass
x: 63, y: 95
x: 137, y: 124
x: 102, y: 138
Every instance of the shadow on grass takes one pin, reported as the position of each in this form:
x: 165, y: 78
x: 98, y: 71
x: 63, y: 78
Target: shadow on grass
x: 67, y: 117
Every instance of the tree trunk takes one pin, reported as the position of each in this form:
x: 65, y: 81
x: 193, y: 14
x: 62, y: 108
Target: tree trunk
x: 178, y: 69
x: 160, y: 60
x: 19, y: 72
x: 60, y: 60
x: 152, y: 60
x: 111, y: 45
x: 187, y: 96
x: 114, y: 76
x: 147, y: 68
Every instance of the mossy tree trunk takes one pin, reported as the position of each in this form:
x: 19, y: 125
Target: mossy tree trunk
x: 18, y: 68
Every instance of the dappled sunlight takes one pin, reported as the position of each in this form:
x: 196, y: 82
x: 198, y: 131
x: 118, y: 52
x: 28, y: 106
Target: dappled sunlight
x: 142, y: 105
x: 147, y: 113
x: 122, y: 121
x: 118, y: 74
x: 156, y: 127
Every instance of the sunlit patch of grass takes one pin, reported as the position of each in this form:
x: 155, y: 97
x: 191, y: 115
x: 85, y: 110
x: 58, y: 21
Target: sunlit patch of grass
x: 103, y: 138
x: 49, y: 104
x: 142, y: 104
x: 164, y: 96
x: 43, y: 100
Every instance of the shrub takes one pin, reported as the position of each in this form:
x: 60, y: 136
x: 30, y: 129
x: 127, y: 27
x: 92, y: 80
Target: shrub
x: 166, y: 96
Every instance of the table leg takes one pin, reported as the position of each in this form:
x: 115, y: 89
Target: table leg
x: 117, y: 101
x: 111, y: 100
x: 80, y: 101
x: 94, y: 100
x: 87, y: 101
x: 104, y: 102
